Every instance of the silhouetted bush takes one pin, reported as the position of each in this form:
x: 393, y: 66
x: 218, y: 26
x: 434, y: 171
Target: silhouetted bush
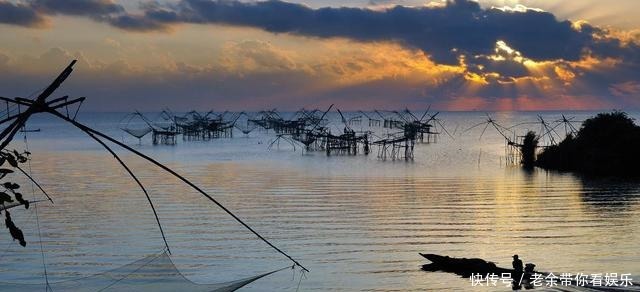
x: 607, y: 144
x: 529, y: 145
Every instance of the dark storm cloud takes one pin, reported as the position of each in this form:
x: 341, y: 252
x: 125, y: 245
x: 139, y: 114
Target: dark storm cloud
x: 446, y: 32
x: 135, y: 23
x: 153, y: 18
x: 19, y: 14
x: 459, y: 27
x: 91, y: 8
x: 34, y: 13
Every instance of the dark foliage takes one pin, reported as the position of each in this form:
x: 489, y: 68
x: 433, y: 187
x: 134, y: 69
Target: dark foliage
x: 16, y: 233
x: 606, y: 145
x: 528, y: 149
x: 13, y: 158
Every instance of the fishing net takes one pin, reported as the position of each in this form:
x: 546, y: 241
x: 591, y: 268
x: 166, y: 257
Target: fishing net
x: 136, y: 125
x: 138, y: 133
x: 152, y: 273
x: 247, y: 127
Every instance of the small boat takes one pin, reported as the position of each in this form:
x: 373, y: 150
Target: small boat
x: 469, y: 267
x: 29, y: 130
x: 463, y: 266
x: 474, y: 266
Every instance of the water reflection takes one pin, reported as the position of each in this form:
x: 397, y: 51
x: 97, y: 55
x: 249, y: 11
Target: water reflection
x: 358, y: 223
x: 610, y: 195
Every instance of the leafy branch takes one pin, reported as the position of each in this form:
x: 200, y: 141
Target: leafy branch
x: 10, y: 193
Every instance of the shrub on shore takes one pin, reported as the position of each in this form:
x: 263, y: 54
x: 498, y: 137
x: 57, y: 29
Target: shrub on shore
x: 529, y: 145
x: 607, y: 144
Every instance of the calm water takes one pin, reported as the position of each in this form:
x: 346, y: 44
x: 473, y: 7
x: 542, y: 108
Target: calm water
x: 357, y: 223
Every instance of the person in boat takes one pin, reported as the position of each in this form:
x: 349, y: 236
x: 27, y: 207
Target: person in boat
x: 517, y: 264
x: 528, y: 268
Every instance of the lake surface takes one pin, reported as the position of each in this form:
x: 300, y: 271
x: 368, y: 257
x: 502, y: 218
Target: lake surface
x: 356, y: 222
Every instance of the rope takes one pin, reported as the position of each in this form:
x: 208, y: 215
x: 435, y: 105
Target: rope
x: 183, y: 179
x: 129, y: 274
x: 302, y: 275
x: 40, y: 105
x: 66, y: 108
x: 36, y: 92
x: 34, y: 182
x: 5, y: 250
x: 33, y: 192
x: 77, y: 110
x: 139, y: 184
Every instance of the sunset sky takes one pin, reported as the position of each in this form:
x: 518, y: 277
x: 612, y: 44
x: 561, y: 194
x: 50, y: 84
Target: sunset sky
x: 359, y: 54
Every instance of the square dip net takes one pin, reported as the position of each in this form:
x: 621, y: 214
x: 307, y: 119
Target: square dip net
x: 152, y: 273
